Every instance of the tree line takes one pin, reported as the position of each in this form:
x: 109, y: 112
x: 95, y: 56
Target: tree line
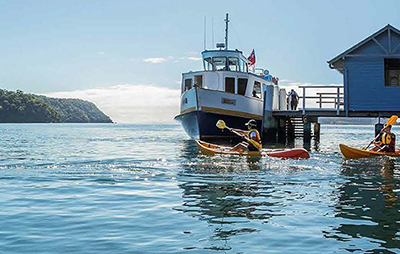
x: 20, y: 107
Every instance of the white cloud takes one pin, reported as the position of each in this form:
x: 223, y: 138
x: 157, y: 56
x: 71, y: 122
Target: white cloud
x: 131, y: 103
x: 174, y: 59
x: 154, y: 60
x: 191, y: 58
x: 101, y: 53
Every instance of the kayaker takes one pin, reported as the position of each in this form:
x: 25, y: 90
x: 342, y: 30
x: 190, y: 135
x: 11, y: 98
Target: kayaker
x: 253, y: 140
x: 386, y: 142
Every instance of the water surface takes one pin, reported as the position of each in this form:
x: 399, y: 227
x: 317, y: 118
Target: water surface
x: 102, y: 188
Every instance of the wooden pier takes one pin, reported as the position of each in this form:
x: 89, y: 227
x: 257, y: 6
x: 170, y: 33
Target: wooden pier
x: 303, y: 123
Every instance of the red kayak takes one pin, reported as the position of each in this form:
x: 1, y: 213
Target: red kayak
x: 295, y: 153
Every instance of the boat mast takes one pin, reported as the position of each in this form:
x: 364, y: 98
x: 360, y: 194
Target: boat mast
x: 226, y: 31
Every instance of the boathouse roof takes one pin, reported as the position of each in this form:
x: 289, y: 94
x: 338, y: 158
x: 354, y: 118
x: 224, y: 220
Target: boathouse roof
x: 384, y: 43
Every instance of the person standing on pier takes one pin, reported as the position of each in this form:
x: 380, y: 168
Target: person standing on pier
x: 293, y: 99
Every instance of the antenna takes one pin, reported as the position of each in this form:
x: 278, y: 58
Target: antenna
x: 205, y: 32
x: 212, y: 30
x: 226, y: 31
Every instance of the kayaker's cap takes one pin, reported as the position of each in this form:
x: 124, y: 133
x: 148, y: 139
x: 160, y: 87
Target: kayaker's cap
x: 251, y: 123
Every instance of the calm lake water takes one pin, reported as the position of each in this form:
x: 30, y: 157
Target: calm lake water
x: 146, y: 189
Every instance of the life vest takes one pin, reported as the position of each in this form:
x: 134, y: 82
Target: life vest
x: 389, y: 139
x: 254, y: 138
x: 386, y: 139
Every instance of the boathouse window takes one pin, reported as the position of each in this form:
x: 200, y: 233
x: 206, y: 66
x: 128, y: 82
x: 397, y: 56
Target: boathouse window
x: 242, y: 85
x: 208, y: 64
x: 257, y: 90
x: 198, y: 81
x: 219, y: 63
x: 230, y: 85
x: 392, y: 72
x: 233, y: 63
x: 188, y: 85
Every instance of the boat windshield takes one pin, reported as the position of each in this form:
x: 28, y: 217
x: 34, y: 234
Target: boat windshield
x: 233, y: 64
x: 224, y: 63
x: 208, y: 64
x: 219, y: 63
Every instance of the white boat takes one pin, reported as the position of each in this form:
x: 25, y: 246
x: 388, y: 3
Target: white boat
x: 229, y: 89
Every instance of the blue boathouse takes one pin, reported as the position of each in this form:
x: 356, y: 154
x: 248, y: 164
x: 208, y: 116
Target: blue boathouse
x: 371, y: 73
x: 371, y: 88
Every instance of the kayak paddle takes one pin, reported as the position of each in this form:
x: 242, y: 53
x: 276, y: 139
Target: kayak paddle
x: 222, y: 125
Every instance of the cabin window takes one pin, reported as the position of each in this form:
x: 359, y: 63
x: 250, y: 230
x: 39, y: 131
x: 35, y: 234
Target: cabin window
x: 233, y: 63
x: 257, y: 90
x: 198, y: 81
x: 230, y: 85
x: 242, y: 85
x: 219, y: 63
x: 208, y: 64
x: 188, y: 85
x: 392, y: 72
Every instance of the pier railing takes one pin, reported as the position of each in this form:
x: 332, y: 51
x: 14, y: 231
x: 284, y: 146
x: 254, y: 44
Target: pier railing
x: 324, y: 97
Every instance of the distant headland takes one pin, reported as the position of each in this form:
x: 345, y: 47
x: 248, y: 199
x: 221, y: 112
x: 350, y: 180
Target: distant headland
x: 20, y: 107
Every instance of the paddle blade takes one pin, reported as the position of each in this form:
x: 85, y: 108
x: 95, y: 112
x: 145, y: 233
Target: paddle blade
x: 391, y: 120
x: 221, y: 124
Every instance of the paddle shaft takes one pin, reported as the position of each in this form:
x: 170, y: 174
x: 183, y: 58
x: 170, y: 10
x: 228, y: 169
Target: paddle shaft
x: 237, y: 133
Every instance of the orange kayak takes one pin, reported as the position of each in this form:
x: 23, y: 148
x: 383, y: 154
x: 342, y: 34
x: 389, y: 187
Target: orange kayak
x: 212, y: 149
x: 354, y: 153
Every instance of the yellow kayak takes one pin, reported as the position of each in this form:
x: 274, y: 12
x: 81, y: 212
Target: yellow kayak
x: 354, y: 153
x: 212, y: 149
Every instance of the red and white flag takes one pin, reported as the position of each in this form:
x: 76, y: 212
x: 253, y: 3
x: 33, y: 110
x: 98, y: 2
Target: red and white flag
x: 252, y: 58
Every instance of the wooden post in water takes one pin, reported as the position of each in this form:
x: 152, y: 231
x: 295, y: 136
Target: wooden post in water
x: 282, y: 130
x: 306, y: 131
x: 378, y: 128
x: 290, y: 131
x: 317, y: 131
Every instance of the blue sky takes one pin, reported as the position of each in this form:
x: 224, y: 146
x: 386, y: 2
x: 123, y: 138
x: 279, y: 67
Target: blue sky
x: 54, y: 46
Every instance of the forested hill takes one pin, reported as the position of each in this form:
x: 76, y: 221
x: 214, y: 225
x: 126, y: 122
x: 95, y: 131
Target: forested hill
x: 19, y: 107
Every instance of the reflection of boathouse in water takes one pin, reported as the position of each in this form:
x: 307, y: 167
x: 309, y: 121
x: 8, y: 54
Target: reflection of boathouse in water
x: 369, y: 205
x: 371, y: 85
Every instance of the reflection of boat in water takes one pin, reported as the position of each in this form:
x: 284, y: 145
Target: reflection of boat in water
x: 213, y: 192
x: 226, y: 89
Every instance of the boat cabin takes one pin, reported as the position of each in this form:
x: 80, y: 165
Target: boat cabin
x: 228, y: 71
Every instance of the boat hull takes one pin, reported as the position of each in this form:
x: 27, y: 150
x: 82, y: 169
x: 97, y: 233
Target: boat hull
x: 213, y: 149
x: 354, y: 153
x: 202, y: 125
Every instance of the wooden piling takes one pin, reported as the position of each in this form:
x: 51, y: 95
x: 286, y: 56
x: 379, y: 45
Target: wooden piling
x: 282, y: 130
x: 291, y: 135
x: 378, y: 128
x: 307, y: 132
x: 269, y: 128
x: 317, y: 131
